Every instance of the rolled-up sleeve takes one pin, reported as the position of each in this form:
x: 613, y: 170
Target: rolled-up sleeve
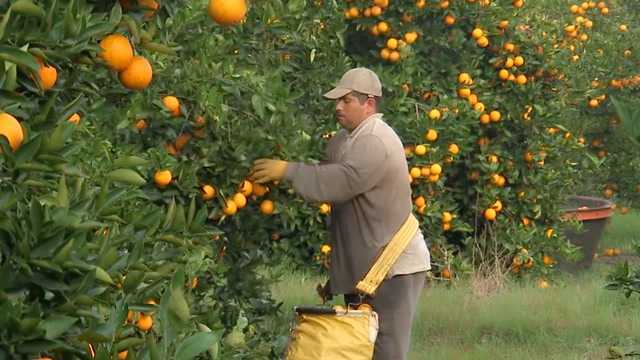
x: 359, y: 170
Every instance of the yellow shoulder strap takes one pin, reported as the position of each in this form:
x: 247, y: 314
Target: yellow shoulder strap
x: 388, y: 256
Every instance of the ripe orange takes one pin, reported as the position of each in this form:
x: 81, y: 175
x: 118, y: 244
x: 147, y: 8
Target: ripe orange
x: 483, y: 42
x: 446, y: 273
x: 227, y: 12
x: 449, y: 20
x: 503, y: 74
x: 122, y: 355
x: 434, y: 114
x: 485, y: 119
x: 518, y: 3
x: 547, y: 260
x: 543, y: 284
x: 497, y: 206
x: 415, y: 172
x: 435, y: 169
x: 145, y: 322
x: 420, y: 150
x: 447, y: 217
x: 11, y: 129
x: 419, y: 201
x: 495, y: 116
x: 477, y: 33
x: 325, y: 208
x: 454, y: 149
x: 392, y: 43
x: 141, y: 124
x: 259, y: 189
x: 208, y: 192
x: 490, y: 214
x: 465, y: 79
x: 383, y: 27
x: 48, y: 75
x: 182, y: 140
x: 162, y: 178
x: 394, y: 56
x: 116, y: 51
x: 230, y: 208
x: 411, y: 37
x: 464, y: 92
x: 74, y: 119
x: 138, y: 75
x: 431, y: 135
x: 521, y: 79
x: 267, y: 207
x: 240, y: 200
x: 172, y: 104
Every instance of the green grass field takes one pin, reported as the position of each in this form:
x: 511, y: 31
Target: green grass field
x: 576, y: 318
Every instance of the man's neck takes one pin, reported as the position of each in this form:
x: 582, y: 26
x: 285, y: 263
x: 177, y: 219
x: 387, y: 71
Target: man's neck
x: 369, y: 117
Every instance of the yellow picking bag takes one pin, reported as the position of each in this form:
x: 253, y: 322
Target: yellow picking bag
x: 336, y: 333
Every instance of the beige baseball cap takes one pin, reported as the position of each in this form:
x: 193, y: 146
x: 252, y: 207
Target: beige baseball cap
x: 359, y: 79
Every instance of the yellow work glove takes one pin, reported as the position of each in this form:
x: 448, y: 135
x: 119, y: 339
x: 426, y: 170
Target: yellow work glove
x: 265, y: 170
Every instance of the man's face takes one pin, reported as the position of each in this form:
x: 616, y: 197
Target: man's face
x: 350, y: 112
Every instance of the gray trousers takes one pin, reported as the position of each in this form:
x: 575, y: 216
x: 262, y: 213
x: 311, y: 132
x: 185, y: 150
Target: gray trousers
x: 395, y: 301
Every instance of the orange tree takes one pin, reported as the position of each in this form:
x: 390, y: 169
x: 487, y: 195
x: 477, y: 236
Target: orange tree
x: 127, y: 227
x: 595, y: 57
x: 473, y: 91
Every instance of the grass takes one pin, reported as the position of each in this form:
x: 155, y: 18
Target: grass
x: 576, y: 318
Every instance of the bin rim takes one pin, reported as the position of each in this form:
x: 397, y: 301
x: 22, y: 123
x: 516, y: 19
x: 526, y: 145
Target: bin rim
x: 592, y: 213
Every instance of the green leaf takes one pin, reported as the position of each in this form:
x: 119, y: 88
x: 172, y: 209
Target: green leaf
x: 20, y: 57
x: 126, y: 176
x: 629, y: 114
x: 62, y: 197
x: 195, y: 345
x: 178, y: 305
x: 56, y: 325
x: 3, y: 24
x: 28, y: 8
x: 27, y: 151
x: 116, y: 14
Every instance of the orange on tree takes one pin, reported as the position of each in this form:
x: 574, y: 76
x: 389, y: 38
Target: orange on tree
x: 74, y: 119
x: 434, y: 114
x: 162, y: 178
x: 141, y: 124
x: 420, y: 150
x: 240, y: 200
x: 267, y: 207
x: 230, y: 207
x: 145, y: 322
x: 122, y: 355
x: 259, y: 189
x: 172, y: 104
x: 435, y: 169
x: 138, y: 75
x: 227, y: 12
x: 208, y: 192
x: 454, y: 149
x: 246, y: 188
x: 420, y: 201
x: 490, y: 214
x: 116, y: 51
x: 446, y: 217
x: 431, y: 135
x: 325, y: 208
x: 48, y: 75
x: 11, y: 129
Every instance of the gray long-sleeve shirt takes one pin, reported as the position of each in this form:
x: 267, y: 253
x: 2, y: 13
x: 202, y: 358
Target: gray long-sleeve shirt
x: 365, y: 180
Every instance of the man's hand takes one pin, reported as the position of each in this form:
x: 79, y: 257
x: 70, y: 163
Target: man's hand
x: 265, y: 170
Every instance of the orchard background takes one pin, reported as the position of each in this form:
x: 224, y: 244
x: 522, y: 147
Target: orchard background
x: 128, y: 227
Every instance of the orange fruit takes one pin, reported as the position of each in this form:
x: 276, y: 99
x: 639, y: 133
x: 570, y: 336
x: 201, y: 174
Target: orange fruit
x: 376, y: 10
x: 152, y: 5
x: 464, y: 92
x: 116, y: 51
x: 411, y: 37
x: 172, y: 104
x: 182, y: 140
x: 485, y: 119
x: 415, y: 172
x: 240, y: 200
x: 141, y: 124
x: 549, y: 233
x: 11, y: 129
x: 446, y: 217
x: 208, y: 192
x: 162, y: 178
x: 490, y: 214
x: 435, y: 169
x: 431, y: 135
x: 446, y: 273
x: 420, y: 201
x: 122, y: 355
x: 449, y: 20
x: 503, y: 24
x: 230, y: 208
x: 145, y: 322
x: 521, y: 79
x: 267, y: 207
x: 594, y: 103
x: 259, y: 189
x: 74, y: 119
x: 48, y: 75
x: 420, y: 150
x: 518, y: 61
x: 227, y: 12
x: 425, y: 171
x: 483, y: 42
x: 325, y: 208
x: 465, y: 79
x: 497, y: 206
x: 138, y: 75
x: 503, y: 74
x: 479, y: 107
x: 246, y: 188
x: 434, y: 114
x: 385, y: 54
x: 392, y: 43
x: 454, y: 149
x: 518, y: 3
x: 547, y: 260
x: 394, y: 56
x: 382, y: 27
x: 495, y: 116
x: 446, y: 226
x: 477, y: 33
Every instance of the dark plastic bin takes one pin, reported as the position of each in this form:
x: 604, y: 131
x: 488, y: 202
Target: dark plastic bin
x: 594, y: 213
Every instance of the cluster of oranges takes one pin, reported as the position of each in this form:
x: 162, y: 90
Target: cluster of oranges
x: 135, y: 72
